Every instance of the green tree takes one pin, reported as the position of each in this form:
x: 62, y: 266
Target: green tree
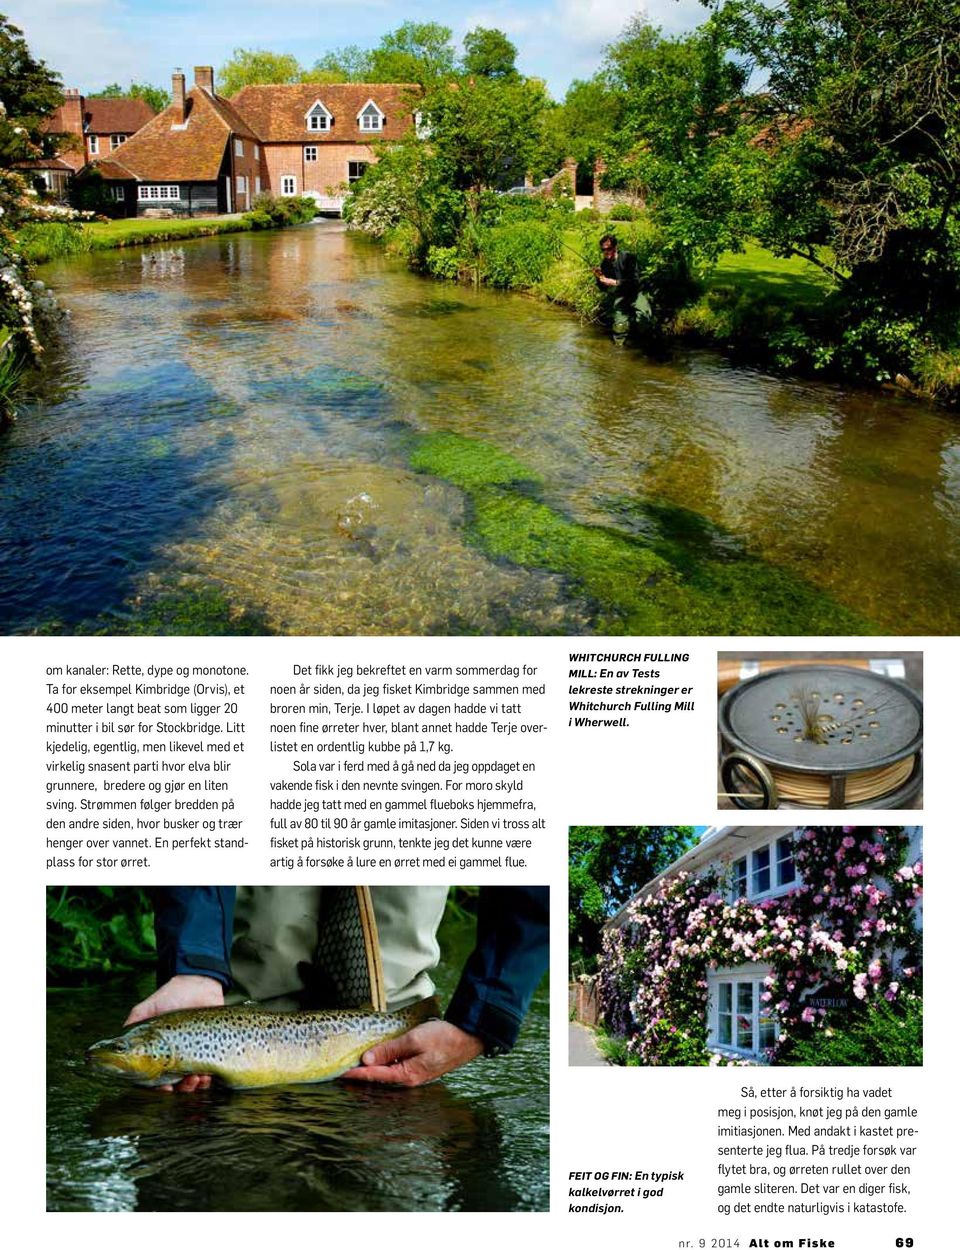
x: 583, y: 125
x: 862, y: 103
x: 29, y: 92
x: 249, y: 66
x: 683, y: 136
x: 488, y: 53
x: 407, y: 190
x: 156, y: 97
x: 420, y: 52
x: 348, y: 64
x: 607, y: 866
x: 485, y: 132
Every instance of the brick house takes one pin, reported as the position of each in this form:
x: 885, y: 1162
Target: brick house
x: 319, y: 137
x: 205, y: 154
x: 198, y: 157
x: 86, y: 130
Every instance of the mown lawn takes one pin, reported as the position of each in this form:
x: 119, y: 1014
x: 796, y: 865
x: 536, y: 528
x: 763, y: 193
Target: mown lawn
x: 759, y: 274
x: 104, y: 234
x: 51, y: 240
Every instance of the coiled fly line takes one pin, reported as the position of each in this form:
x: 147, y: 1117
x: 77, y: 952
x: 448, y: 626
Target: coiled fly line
x: 820, y: 736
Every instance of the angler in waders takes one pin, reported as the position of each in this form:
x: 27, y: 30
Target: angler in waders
x: 619, y: 278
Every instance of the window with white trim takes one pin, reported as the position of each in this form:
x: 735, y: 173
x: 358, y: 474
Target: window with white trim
x: 741, y: 1020
x: 767, y: 869
x: 241, y: 185
x: 786, y: 868
x: 370, y: 117
x: 310, y: 152
x: 256, y: 185
x: 118, y: 192
x: 356, y: 170
x: 319, y: 117
x: 256, y: 151
x: 116, y: 140
x: 238, y: 147
x: 154, y: 191
x: 94, y: 144
x: 288, y: 184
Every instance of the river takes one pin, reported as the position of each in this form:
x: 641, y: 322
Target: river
x: 290, y: 433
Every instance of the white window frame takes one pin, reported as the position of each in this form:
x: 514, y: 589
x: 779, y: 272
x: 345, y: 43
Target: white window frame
x: 94, y: 144
x: 308, y: 149
x: 773, y: 856
x: 352, y: 178
x: 241, y: 185
x: 371, y: 123
x: 157, y: 193
x: 118, y: 192
x: 315, y: 121
x: 288, y: 184
x: 256, y: 151
x: 256, y: 185
x: 116, y: 140
x: 237, y: 146
x: 735, y: 997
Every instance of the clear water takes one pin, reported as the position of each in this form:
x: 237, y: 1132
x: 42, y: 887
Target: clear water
x: 240, y: 417
x: 476, y: 1141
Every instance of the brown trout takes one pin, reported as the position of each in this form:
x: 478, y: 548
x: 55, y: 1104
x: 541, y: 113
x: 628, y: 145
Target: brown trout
x: 249, y: 1046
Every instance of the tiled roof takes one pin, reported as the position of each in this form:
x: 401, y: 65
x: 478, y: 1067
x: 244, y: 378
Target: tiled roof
x: 231, y: 118
x: 112, y: 169
x: 123, y: 116
x: 45, y: 162
x: 163, y: 153
x: 278, y: 112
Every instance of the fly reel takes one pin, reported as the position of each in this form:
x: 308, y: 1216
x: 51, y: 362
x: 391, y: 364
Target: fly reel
x: 816, y: 735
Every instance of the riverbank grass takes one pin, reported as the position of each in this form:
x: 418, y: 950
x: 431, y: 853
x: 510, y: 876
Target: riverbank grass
x: 45, y: 241
x: 107, y: 234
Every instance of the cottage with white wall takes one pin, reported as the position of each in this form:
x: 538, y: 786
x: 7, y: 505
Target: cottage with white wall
x: 764, y: 929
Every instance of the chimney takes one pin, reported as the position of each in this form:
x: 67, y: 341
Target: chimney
x: 179, y: 102
x: 203, y: 77
x: 73, y: 111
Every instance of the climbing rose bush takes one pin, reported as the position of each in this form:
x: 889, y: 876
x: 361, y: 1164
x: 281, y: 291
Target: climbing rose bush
x: 850, y: 913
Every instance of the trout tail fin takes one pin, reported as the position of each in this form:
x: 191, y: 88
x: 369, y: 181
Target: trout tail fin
x: 425, y: 1009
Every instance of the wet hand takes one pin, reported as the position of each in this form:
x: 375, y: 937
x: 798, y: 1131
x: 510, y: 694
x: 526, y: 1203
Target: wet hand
x: 424, y: 1054
x: 177, y: 994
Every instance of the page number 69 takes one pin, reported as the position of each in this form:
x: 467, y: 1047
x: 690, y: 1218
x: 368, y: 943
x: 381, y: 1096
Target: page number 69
x: 904, y: 1241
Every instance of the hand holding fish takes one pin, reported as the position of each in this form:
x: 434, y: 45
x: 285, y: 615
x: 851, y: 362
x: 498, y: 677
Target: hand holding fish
x: 423, y: 1054
x: 177, y: 994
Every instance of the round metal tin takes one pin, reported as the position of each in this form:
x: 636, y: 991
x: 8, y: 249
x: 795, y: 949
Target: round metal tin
x: 868, y: 721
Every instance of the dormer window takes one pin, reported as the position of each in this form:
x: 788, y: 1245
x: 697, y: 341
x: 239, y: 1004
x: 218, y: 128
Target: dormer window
x: 370, y: 118
x: 319, y: 117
